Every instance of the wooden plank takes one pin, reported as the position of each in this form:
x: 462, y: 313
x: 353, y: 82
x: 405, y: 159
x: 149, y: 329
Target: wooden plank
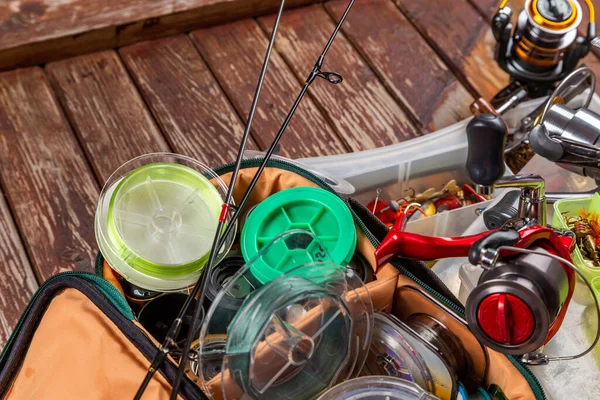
x: 17, y: 281
x: 105, y: 110
x: 487, y: 8
x: 403, y: 60
x: 235, y: 53
x: 360, y: 108
x: 186, y: 100
x: 37, y: 31
x: 462, y: 37
x: 48, y: 183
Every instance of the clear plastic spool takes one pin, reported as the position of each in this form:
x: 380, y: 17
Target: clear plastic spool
x: 377, y: 388
x: 391, y: 354
x: 156, y: 220
x: 295, y: 336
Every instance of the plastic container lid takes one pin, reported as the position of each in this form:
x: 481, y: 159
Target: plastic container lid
x: 156, y: 220
x: 316, y: 210
x: 377, y: 388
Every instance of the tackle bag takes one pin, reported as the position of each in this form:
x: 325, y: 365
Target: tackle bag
x: 78, y: 337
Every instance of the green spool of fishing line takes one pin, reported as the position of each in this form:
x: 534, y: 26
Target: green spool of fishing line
x: 156, y: 220
x: 315, y: 210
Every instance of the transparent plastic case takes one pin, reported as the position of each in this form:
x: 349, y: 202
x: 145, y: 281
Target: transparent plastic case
x: 296, y: 335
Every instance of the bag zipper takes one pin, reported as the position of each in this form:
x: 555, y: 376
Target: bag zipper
x: 534, y: 383
x: 108, y: 289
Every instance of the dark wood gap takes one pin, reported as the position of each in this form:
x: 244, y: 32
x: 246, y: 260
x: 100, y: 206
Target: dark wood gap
x: 243, y: 119
x: 382, y: 132
x: 310, y: 94
x: 152, y: 114
x: 440, y: 52
x: 235, y: 53
x: 407, y: 110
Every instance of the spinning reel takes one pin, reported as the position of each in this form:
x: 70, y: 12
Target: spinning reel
x: 542, y: 48
x: 569, y: 137
x: 523, y: 294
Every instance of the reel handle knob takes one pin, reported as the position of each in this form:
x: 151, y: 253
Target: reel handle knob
x: 486, y: 135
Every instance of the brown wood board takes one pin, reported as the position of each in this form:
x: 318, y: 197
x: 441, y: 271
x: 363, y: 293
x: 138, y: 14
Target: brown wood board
x: 235, y: 53
x: 404, y: 61
x: 463, y: 38
x: 17, y: 281
x: 105, y: 110
x: 185, y: 99
x: 37, y: 31
x: 48, y: 183
x: 361, y: 108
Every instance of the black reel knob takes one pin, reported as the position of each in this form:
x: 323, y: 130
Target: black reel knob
x: 486, y: 135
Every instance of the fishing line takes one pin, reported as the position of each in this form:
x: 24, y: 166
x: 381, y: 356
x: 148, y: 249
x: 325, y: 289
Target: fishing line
x: 304, y: 358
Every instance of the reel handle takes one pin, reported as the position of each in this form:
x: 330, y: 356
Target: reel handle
x: 486, y: 135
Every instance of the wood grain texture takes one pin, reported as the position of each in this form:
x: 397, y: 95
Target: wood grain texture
x: 37, y: 31
x: 488, y: 7
x: 462, y: 37
x: 403, y: 60
x: 105, y: 110
x: 189, y: 105
x: 361, y: 108
x: 48, y: 183
x: 17, y: 281
x: 235, y: 54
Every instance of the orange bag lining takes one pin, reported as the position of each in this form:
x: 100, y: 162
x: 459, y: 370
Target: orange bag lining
x: 128, y: 365
x: 77, y: 352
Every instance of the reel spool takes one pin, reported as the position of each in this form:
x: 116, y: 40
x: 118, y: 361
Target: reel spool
x: 135, y: 295
x: 544, y: 47
x: 158, y: 315
x: 233, y: 299
x: 361, y: 267
x: 315, y: 210
x: 514, y: 306
x: 156, y: 219
x: 211, y: 367
x: 446, y: 332
x: 295, y: 336
x: 377, y: 388
x: 397, y: 351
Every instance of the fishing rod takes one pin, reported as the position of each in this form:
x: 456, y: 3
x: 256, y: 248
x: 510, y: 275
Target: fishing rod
x: 217, y: 242
x: 332, y: 77
x: 200, y: 287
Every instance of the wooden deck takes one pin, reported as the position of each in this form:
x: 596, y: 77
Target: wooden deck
x: 66, y: 124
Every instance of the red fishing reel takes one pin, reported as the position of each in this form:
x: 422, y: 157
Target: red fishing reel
x: 521, y: 299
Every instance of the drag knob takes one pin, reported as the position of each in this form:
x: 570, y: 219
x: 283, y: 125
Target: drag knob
x: 486, y: 134
x: 505, y: 319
